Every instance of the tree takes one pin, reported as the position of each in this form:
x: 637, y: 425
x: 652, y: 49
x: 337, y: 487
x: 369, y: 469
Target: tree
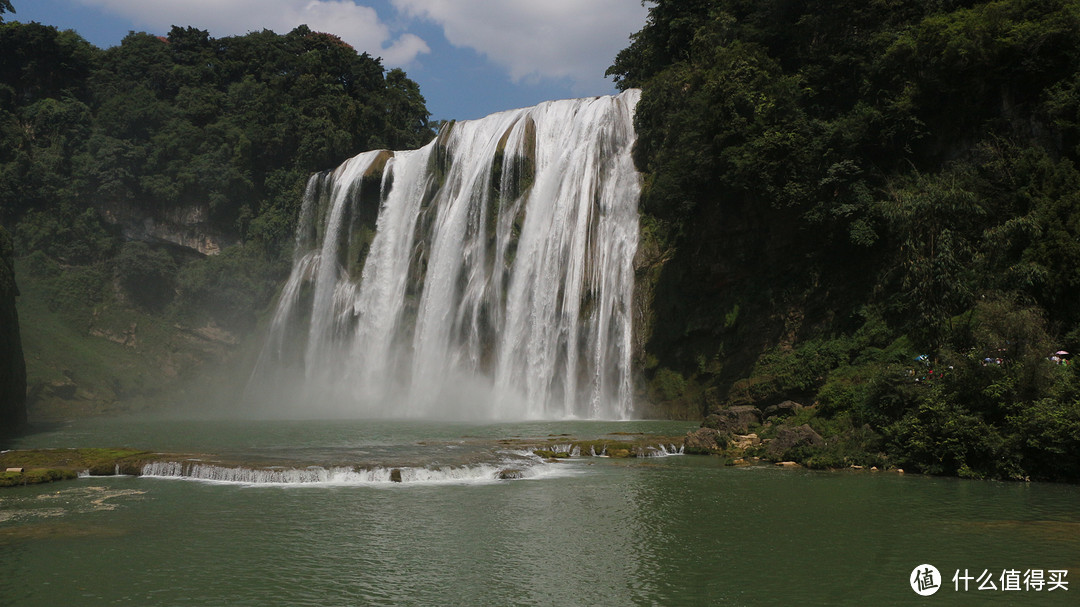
x: 932, y: 221
x: 148, y: 275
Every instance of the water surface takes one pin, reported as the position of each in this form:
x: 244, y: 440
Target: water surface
x: 681, y: 530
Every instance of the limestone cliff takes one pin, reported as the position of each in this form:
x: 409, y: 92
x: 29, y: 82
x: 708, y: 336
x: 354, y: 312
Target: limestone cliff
x: 189, y: 226
x: 12, y: 364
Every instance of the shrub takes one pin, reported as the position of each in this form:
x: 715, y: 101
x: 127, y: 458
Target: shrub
x: 147, y: 275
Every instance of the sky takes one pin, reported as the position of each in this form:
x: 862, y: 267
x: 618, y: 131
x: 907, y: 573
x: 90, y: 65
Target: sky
x: 470, y: 57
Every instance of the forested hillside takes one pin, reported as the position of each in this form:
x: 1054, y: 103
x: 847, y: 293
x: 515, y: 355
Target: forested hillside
x: 870, y: 208
x: 873, y: 208
x: 152, y: 190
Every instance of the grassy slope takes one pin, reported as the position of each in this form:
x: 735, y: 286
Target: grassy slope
x: 110, y: 357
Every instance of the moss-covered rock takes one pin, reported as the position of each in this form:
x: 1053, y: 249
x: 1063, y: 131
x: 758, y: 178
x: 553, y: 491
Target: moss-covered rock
x: 705, y: 441
x: 47, y: 465
x: 788, y: 440
x: 734, y: 419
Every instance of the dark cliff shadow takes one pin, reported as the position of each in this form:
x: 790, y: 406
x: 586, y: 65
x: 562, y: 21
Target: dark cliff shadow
x: 9, y: 439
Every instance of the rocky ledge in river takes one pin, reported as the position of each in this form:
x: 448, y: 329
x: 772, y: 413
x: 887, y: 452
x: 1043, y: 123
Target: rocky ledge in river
x: 784, y: 434
x: 34, y: 466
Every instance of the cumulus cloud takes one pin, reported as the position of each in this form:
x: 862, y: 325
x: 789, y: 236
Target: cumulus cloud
x: 535, y: 39
x: 357, y: 25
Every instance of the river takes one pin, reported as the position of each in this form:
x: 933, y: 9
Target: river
x: 671, y: 530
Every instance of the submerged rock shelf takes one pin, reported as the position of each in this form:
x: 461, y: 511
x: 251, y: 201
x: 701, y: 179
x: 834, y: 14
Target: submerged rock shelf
x: 480, y: 460
x: 34, y: 466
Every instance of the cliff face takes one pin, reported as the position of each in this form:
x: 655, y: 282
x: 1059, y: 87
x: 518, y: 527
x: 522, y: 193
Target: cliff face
x: 12, y: 364
x: 188, y: 227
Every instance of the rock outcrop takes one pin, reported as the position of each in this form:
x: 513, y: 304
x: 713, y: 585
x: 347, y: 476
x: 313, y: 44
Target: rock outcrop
x: 788, y: 439
x: 733, y: 420
x: 189, y: 227
x: 12, y: 363
x: 784, y: 409
x: 704, y: 440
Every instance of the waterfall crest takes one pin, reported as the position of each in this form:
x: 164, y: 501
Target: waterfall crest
x: 488, y: 274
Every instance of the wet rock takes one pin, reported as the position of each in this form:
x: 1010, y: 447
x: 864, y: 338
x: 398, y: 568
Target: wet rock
x: 704, y: 440
x: 788, y: 464
x: 784, y: 409
x: 510, y: 474
x: 618, y: 453
x: 733, y: 420
x: 549, y: 454
x: 395, y: 475
x: 792, y: 438
x: 64, y: 389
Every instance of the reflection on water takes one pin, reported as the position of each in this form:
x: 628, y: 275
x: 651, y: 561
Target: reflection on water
x: 665, y: 531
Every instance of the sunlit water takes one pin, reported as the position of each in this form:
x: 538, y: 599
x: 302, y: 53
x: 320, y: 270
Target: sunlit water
x: 658, y: 531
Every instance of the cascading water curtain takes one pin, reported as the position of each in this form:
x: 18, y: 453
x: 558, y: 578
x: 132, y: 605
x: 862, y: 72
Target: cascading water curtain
x: 486, y: 275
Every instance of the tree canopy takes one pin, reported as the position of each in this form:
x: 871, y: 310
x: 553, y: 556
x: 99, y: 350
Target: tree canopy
x: 865, y: 182
x: 228, y: 128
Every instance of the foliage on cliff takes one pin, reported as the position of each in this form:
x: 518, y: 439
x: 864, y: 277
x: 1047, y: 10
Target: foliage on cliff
x: 228, y: 129
x: 232, y: 126
x: 836, y: 188
x: 12, y: 363
x: 236, y: 122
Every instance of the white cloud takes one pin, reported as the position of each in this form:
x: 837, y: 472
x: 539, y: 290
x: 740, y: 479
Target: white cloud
x: 532, y: 39
x: 357, y: 25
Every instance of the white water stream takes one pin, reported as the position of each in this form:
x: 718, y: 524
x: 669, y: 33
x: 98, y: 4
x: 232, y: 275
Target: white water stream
x: 486, y: 275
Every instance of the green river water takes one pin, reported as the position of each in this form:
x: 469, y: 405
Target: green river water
x: 675, y: 530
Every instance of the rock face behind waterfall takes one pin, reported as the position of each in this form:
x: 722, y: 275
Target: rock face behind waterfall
x: 12, y: 365
x: 488, y: 274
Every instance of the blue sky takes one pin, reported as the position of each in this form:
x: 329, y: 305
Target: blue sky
x: 470, y: 57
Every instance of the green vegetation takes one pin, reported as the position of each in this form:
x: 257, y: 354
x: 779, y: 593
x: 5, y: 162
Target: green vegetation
x: 833, y: 189
x: 209, y: 142
x: 871, y: 208
x: 12, y: 362
x: 89, y: 351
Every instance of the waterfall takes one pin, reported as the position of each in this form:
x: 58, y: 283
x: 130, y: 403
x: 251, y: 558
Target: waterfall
x: 486, y: 275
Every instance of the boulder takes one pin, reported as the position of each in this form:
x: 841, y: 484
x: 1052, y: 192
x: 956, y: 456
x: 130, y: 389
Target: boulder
x: 733, y: 420
x: 792, y: 438
x: 64, y: 389
x: 784, y: 409
x: 745, y: 441
x: 704, y: 440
